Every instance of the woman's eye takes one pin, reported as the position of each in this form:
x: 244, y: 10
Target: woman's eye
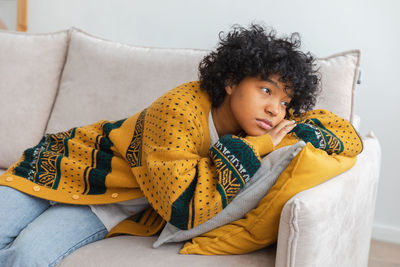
x: 266, y: 90
x: 284, y: 103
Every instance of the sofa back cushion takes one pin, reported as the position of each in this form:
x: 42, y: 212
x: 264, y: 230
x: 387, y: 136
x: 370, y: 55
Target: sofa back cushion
x: 339, y: 75
x: 103, y: 79
x: 109, y: 80
x: 30, y: 68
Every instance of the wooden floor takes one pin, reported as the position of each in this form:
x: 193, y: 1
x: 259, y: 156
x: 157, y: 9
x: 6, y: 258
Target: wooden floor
x: 384, y: 254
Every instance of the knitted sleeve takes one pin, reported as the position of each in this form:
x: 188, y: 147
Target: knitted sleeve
x: 236, y: 160
x: 186, y: 182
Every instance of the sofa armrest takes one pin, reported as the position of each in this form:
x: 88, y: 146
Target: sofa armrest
x: 331, y: 224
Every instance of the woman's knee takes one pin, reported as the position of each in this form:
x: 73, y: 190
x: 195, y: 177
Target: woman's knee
x: 54, y: 235
x: 24, y: 253
x: 17, y: 210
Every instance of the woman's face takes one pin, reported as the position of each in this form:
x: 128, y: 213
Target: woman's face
x: 257, y: 105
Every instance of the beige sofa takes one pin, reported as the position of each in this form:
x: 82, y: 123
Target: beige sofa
x: 52, y: 82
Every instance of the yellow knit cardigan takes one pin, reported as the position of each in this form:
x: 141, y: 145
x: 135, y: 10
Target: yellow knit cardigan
x: 162, y: 153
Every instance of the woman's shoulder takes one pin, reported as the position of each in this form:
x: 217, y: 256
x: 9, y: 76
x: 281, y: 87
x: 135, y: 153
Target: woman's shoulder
x: 187, y: 97
x: 189, y: 91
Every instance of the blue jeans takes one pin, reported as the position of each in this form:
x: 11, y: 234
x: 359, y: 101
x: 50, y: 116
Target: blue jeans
x: 35, y: 233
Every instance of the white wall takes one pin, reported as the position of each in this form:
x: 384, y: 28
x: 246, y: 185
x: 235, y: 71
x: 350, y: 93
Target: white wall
x: 8, y: 13
x: 326, y: 27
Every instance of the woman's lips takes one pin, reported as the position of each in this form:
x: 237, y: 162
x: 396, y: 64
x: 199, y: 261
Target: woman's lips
x: 265, y: 124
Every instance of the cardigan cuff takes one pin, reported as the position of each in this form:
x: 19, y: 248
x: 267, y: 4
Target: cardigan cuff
x: 263, y: 144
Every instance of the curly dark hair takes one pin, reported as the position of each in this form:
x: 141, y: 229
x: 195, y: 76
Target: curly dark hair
x: 257, y: 52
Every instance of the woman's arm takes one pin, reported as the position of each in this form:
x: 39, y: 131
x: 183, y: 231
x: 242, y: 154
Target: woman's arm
x: 186, y: 182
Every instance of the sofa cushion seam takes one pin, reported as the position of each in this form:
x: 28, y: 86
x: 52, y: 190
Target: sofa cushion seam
x: 293, y: 233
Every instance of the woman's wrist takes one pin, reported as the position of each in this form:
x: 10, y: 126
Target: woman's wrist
x: 263, y: 144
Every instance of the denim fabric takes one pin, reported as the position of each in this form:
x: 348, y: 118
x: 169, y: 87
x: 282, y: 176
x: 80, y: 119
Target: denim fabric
x: 35, y: 233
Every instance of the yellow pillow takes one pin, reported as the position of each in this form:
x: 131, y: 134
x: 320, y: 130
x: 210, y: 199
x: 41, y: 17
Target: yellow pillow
x: 259, y: 227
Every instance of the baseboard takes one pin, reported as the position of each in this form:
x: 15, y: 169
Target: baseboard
x: 386, y: 233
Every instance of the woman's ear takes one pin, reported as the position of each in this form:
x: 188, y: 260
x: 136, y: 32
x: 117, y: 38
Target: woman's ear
x: 228, y: 87
x: 228, y: 90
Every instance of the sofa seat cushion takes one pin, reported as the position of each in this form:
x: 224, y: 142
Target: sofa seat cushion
x: 30, y: 69
x: 138, y: 251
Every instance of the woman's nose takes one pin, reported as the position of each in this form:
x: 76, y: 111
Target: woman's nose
x: 272, y: 108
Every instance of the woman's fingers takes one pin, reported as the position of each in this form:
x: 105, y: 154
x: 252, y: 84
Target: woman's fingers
x: 288, y: 127
x: 280, y: 130
x: 284, y: 125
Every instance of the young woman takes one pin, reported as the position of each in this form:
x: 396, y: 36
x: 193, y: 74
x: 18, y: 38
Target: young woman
x: 181, y: 160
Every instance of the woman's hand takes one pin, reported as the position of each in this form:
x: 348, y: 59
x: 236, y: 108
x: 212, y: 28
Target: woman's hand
x: 280, y: 130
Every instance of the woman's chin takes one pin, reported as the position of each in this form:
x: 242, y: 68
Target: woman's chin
x: 256, y: 132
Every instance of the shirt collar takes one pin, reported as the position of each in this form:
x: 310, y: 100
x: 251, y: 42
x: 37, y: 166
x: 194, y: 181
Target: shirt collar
x: 213, y: 132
